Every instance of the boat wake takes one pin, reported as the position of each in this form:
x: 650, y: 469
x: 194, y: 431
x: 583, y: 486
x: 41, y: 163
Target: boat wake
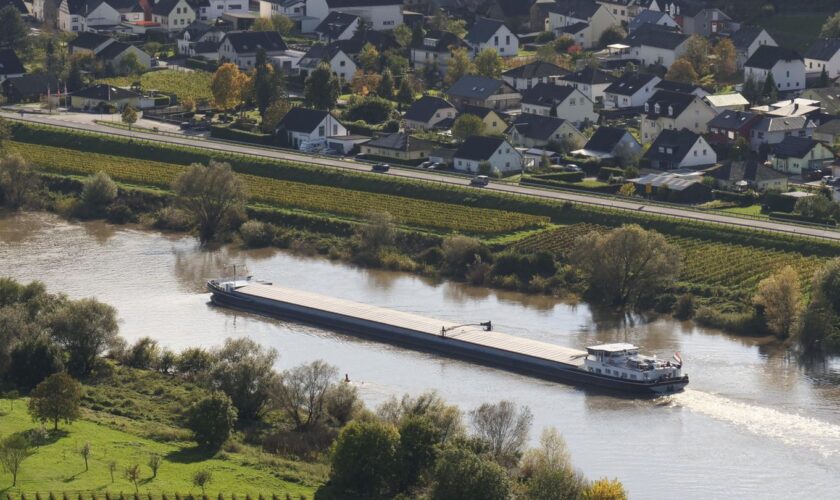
x: 791, y: 429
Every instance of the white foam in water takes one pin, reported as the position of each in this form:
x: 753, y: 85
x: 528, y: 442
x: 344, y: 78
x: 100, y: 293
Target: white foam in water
x: 795, y: 430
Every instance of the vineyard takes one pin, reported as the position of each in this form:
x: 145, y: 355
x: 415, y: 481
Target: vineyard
x: 194, y: 85
x: 310, y: 197
x: 705, y: 263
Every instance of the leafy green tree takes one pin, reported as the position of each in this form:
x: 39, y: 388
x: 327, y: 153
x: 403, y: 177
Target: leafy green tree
x: 14, y: 450
x: 74, y: 76
x: 275, y: 112
x: 386, y: 85
x: 780, y: 298
x: 56, y: 399
x: 614, y: 34
x: 419, y: 440
x: 548, y: 472
x: 697, y: 53
x: 283, y: 24
x: 489, y: 63
x: 369, y: 58
x: 85, y: 329
x: 403, y: 35
x: 429, y: 405
x: 212, y: 195
x: 33, y: 360
x: 98, y: 191
x: 831, y: 27
x: 373, y: 110
x: 130, y: 65
x: 824, y: 81
x: 85, y: 452
x: 14, y: 33
x: 504, y: 429
x: 202, y: 478
x: 467, y: 126
x: 364, y: 458
x: 458, y: 66
x: 750, y: 90
x: 818, y: 207
x: 129, y: 116
x: 460, y: 474
x: 405, y: 94
x: 212, y: 420
x: 770, y: 91
x: 18, y: 181
x: 262, y: 81
x: 321, y: 89
x: 244, y: 371
x: 154, y: 463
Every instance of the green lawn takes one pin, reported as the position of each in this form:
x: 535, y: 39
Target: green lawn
x: 797, y: 31
x: 753, y: 210
x: 57, y: 466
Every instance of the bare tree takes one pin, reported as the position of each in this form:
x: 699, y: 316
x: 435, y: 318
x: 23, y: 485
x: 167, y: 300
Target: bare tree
x: 154, y: 463
x: 378, y: 232
x: 503, y: 427
x: 211, y: 194
x: 300, y: 391
x: 84, y: 451
x: 446, y: 418
x: 13, y: 451
x: 112, y: 467
x: 132, y: 473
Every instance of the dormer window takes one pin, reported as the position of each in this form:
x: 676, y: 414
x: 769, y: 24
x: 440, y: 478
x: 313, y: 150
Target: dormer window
x: 670, y: 111
x: 647, y: 108
x: 656, y: 108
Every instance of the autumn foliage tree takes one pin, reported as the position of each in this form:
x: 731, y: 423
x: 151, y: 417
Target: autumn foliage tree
x: 780, y: 298
x: 228, y: 86
x: 726, y: 58
x: 489, y: 63
x: 682, y: 71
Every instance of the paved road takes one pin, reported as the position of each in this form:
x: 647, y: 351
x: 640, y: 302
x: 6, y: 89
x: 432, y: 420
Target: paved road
x: 630, y: 205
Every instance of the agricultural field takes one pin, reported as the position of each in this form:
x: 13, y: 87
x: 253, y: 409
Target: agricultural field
x: 705, y: 263
x: 310, y: 197
x: 194, y: 85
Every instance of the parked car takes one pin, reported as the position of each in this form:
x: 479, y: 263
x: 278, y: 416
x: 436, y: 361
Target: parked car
x: 571, y: 167
x: 381, y: 167
x: 829, y: 179
x: 186, y: 125
x: 438, y: 166
x: 480, y: 181
x: 426, y: 164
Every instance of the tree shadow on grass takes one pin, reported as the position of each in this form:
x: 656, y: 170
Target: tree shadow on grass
x: 39, y: 439
x: 190, y: 455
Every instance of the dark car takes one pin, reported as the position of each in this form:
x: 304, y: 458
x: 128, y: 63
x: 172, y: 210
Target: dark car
x: 381, y: 167
x: 186, y: 125
x: 480, y: 181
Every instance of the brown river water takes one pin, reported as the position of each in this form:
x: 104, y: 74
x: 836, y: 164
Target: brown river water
x: 752, y: 424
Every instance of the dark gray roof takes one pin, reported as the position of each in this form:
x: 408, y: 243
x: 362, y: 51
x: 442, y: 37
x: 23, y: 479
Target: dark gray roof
x: 768, y: 55
x: 644, y: 17
x: 335, y: 24
x: 546, y: 94
x: 678, y: 142
x: 88, y: 40
x: 684, y: 88
x: 630, y: 83
x: 443, y: 40
x: 18, y: 4
x: 654, y: 35
x: 575, y: 28
x: 830, y: 127
x: 423, y: 109
x: 9, y: 63
x: 208, y: 47
x: 578, y: 9
x: 400, y: 141
x: 736, y: 171
x: 590, y: 76
x: 670, y: 103
x: 536, y: 126
x: 515, y: 8
x: 245, y: 42
x: 302, y: 119
x: 776, y: 124
x: 105, y: 93
x: 536, y: 69
x: 794, y: 147
x: 318, y: 53
x: 605, y: 139
x: 337, y: 4
x: 31, y: 85
x: 478, y: 87
x: 824, y: 49
x: 164, y: 7
x: 112, y: 50
x: 745, y: 36
x: 732, y: 120
x: 478, y: 148
x: 483, y: 29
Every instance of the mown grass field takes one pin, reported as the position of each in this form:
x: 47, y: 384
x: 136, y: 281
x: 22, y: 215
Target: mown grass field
x: 194, y: 85
x: 58, y: 467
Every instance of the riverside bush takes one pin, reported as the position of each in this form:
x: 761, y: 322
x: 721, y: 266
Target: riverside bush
x: 257, y: 234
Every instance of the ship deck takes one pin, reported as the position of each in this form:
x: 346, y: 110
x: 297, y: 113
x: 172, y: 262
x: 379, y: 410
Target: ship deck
x: 475, y: 335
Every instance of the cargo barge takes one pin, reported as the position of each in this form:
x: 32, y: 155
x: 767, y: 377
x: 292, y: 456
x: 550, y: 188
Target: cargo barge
x: 615, y: 367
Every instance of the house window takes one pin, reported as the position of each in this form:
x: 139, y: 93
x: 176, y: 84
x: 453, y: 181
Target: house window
x: 496, y: 40
x: 507, y: 40
x: 335, y: 130
x: 341, y: 64
x: 321, y: 131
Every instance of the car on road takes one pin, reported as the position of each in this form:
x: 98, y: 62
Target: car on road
x: 480, y: 181
x: 381, y: 167
x: 829, y: 179
x: 186, y: 125
x: 426, y: 164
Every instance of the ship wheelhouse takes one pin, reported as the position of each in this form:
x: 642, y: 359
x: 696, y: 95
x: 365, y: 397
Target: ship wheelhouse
x: 623, y: 361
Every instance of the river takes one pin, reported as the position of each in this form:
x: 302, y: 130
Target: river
x: 753, y: 424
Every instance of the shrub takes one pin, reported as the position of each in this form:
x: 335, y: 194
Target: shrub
x: 257, y: 234
x: 684, y: 308
x: 212, y: 420
x: 120, y: 213
x: 372, y: 110
x: 604, y: 173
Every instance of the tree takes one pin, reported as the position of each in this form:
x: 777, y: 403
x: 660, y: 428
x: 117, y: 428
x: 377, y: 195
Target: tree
x: 817, y: 207
x: 154, y: 463
x: 377, y: 233
x: 627, y: 189
x: 143, y: 354
x: 459, y: 65
x: 212, y: 195
x: 606, y: 489
x: 52, y: 62
x: 780, y: 297
x: 112, y: 467
x: 419, y: 440
x: 363, y: 458
x: 85, y: 329
x: 18, y: 181
x: 548, y: 471
x: 824, y: 81
x: 403, y: 34
x: 363, y: 83
x: 244, y: 371
x: 261, y: 81
x: 830, y: 29
x: 626, y: 264
x: 613, y: 34
x: 15, y: 32
x: 386, y: 85
x: 133, y: 474
x: 489, y: 63
x: 273, y: 114
x: 467, y: 125
x: 504, y: 428
x: 405, y: 94
x: 129, y: 116
x: 726, y: 58
x: 460, y: 474
x: 770, y: 91
x: 369, y: 58
x: 129, y: 65
x: 321, y: 89
x: 228, y: 86
x: 202, y: 478
x: 301, y: 392
x: 697, y: 53
x: 84, y: 451
x: 371, y: 109
x: 283, y: 24
x: 5, y: 132
x: 14, y: 450
x: 262, y: 24
x: 750, y: 90
x: 445, y: 418
x: 74, y: 76
x: 681, y: 70
x: 55, y: 399
x: 211, y: 420
x: 98, y: 191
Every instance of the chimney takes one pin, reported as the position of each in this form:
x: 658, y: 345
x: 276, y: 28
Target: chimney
x: 795, y: 107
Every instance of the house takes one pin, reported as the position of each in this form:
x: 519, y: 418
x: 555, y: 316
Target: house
x: 494, y: 122
x: 97, y: 96
x: 17, y: 4
x: 29, y: 88
x: 786, y: 65
x: 378, y: 14
x: 828, y: 132
x: 562, y: 101
x: 293, y: 9
x: 240, y: 47
x: 681, y: 148
x: 492, y: 34
x: 429, y: 112
x: 674, y: 187
x: 796, y: 154
x: 526, y: 76
x: 88, y: 43
x: 498, y: 152
x: 731, y: 102
x: 790, y: 107
x: 772, y: 130
x: 398, y: 146
x: 591, y: 81
x: 307, y: 129
x: 655, y: 45
x: 828, y: 97
x: 683, y: 88
x: 473, y: 90
x: 114, y: 54
x: 822, y: 55
x: 674, y: 111
x: 631, y: 90
x: 729, y: 126
x: 340, y: 63
x: 627, y: 10
x: 10, y: 65
x: 173, y: 15
x: 435, y: 50
x: 747, y: 40
x: 697, y: 19
x: 654, y: 17
x: 337, y: 26
x: 530, y: 131
x: 583, y: 19
x: 209, y: 10
x: 737, y: 175
x: 610, y: 142
x: 78, y: 15
x: 201, y: 39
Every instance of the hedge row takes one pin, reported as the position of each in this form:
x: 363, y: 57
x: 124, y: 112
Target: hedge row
x: 235, y: 134
x: 802, y: 218
x: 743, y: 199
x: 610, y: 189
x: 561, y: 176
x: 605, y: 173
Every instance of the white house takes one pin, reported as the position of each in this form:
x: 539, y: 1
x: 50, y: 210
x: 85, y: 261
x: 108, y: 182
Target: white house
x: 652, y: 17
x: 584, y: 19
x: 115, y: 53
x: 795, y: 154
x: 340, y: 63
x: 10, y: 65
x: 173, y: 15
x: 492, y: 34
x: 526, y: 76
x: 79, y: 16
x: 773, y: 130
x: 627, y: 10
x: 304, y: 128
x: 679, y: 149
x: 293, y: 9
x: 530, y: 131
x: 209, y: 10
x: 200, y: 39
x: 656, y: 45
x: 337, y: 26
x: 785, y: 64
x: 590, y: 80
x: 632, y: 90
x: 674, y: 111
x: 380, y: 15
x: 240, y: 47
x: 498, y: 152
x: 435, y: 50
x: 562, y: 101
x: 747, y: 40
x: 824, y: 55
x: 429, y: 112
